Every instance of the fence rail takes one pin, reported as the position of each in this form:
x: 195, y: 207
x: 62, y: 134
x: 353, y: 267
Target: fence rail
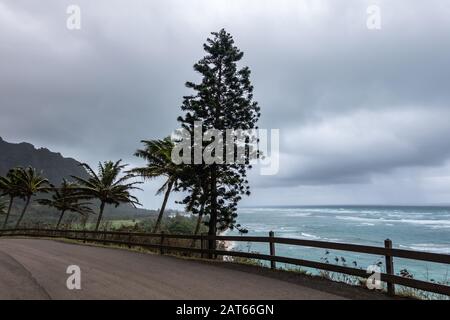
x: 158, y: 241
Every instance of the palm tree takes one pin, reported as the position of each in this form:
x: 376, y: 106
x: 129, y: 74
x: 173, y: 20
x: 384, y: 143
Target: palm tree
x: 29, y: 182
x: 9, y: 187
x: 65, y: 199
x: 158, y: 154
x: 108, y: 186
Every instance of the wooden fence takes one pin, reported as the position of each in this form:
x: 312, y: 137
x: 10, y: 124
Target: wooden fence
x: 161, y: 241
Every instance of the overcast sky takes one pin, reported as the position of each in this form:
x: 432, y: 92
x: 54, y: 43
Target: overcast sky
x: 364, y: 115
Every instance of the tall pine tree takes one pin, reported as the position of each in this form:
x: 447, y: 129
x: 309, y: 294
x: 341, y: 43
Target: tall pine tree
x: 222, y: 100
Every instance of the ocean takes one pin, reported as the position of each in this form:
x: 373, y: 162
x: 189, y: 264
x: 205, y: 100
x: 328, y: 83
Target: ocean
x: 415, y: 228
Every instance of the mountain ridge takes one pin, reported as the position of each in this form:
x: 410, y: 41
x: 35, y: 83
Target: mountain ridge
x: 53, y: 165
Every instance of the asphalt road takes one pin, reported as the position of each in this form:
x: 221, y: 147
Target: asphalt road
x: 36, y: 269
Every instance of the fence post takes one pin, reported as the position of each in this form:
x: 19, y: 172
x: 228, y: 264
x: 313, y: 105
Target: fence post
x: 161, y: 250
x: 389, y: 267
x: 273, y: 264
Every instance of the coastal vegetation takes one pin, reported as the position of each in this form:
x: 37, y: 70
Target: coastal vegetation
x: 65, y: 199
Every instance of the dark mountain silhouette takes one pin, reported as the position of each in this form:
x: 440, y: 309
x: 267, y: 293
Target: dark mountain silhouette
x: 53, y: 165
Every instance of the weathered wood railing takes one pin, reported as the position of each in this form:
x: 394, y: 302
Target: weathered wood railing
x: 157, y: 241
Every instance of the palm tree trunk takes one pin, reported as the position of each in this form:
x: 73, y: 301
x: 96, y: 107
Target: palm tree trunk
x: 163, y: 207
x: 213, y: 215
x: 199, y: 220
x: 11, y: 200
x: 23, y: 212
x: 60, y: 219
x: 100, y: 215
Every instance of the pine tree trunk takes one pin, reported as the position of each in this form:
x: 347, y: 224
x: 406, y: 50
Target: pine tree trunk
x: 213, y: 218
x: 217, y: 126
x: 23, y: 212
x: 11, y: 200
x: 100, y: 215
x: 199, y: 221
x: 60, y: 219
x: 163, y: 207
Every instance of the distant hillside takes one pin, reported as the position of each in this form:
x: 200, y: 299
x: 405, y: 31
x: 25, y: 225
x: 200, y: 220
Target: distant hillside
x: 53, y: 165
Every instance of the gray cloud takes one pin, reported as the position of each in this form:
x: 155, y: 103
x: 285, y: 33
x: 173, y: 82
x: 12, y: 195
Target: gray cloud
x: 357, y: 109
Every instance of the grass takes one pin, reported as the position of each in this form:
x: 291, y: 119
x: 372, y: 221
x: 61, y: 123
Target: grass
x: 105, y: 225
x: 178, y: 224
x: 118, y: 224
